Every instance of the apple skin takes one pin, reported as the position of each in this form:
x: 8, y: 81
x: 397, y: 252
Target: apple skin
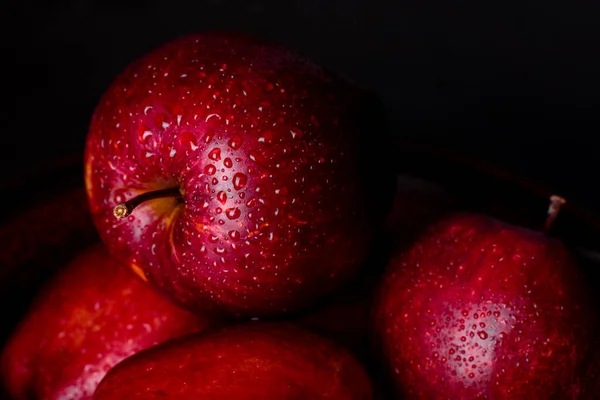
x: 90, y: 316
x: 252, y: 360
x: 479, y: 308
x: 278, y: 202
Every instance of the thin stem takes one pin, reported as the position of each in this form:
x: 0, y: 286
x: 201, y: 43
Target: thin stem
x: 124, y: 209
x: 556, y: 202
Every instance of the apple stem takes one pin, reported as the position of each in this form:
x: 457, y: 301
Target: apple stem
x: 556, y: 202
x: 124, y: 209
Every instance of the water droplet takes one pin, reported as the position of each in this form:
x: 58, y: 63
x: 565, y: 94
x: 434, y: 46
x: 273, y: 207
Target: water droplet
x: 471, y: 358
x: 215, y: 154
x: 496, y: 314
x: 234, y: 235
x: 482, y: 324
x: 209, y: 136
x: 218, y: 210
x: 257, y: 158
x: 296, y: 133
x: 221, y: 222
x: 471, y: 334
x: 452, y: 351
x: 482, y: 335
x: 222, y: 197
x: 228, y: 163
x: 281, y: 191
x: 210, y: 169
x: 214, y: 181
x: 235, y: 142
x: 251, y: 203
x: 464, y: 313
x: 463, y: 339
x: 239, y: 181
x: 471, y: 375
x: 233, y: 213
x: 266, y: 137
x: 187, y: 139
x: 131, y: 218
x: 242, y: 195
x: 213, y: 238
x: 475, y: 315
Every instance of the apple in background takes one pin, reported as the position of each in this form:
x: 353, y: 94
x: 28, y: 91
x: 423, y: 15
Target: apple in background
x: 252, y: 360
x: 89, y: 317
x: 479, y: 308
x: 37, y: 242
x: 242, y: 174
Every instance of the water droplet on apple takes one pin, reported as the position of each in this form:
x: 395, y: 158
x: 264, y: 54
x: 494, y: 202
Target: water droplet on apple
x: 482, y: 324
x: 233, y: 213
x: 239, y: 180
x: 251, y: 203
x: 222, y: 197
x: 266, y: 137
x: 210, y: 169
x: 209, y: 136
x: 235, y: 142
x: 464, y: 313
x: 221, y: 222
x: 218, y: 210
x: 471, y: 334
x: 482, y: 335
x: 131, y: 218
x: 463, y: 338
x: 214, y: 181
x: 471, y: 375
x: 234, y: 235
x: 215, y: 154
x: 257, y: 158
x: 228, y: 163
x: 213, y: 238
x: 296, y: 133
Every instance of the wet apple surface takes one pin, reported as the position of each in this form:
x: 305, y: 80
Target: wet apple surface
x: 272, y: 208
x: 478, y: 308
x: 255, y: 360
x: 90, y: 316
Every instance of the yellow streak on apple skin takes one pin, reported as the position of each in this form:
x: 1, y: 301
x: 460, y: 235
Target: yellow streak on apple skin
x: 89, y: 187
x: 139, y: 272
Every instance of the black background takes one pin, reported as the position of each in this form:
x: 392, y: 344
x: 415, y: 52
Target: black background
x: 512, y: 84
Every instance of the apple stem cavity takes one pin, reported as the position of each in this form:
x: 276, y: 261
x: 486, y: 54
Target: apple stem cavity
x: 124, y: 209
x: 556, y: 202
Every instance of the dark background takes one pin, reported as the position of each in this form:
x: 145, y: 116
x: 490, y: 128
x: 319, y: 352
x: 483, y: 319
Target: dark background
x: 512, y: 84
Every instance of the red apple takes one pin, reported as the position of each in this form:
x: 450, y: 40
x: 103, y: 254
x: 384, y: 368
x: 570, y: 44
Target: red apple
x: 255, y: 360
x: 90, y: 316
x: 479, y: 308
x: 253, y: 173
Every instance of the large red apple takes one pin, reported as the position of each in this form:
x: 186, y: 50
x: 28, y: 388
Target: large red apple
x: 255, y: 360
x: 241, y: 172
x: 91, y: 315
x: 479, y: 308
